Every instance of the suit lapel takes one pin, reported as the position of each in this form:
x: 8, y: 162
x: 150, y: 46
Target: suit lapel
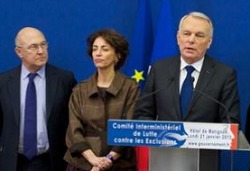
x: 13, y: 87
x: 51, y: 88
x: 176, y: 95
x: 206, y: 74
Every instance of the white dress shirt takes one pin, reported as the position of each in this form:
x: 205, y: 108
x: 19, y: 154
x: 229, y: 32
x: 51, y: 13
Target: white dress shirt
x: 196, y: 73
x: 40, y: 83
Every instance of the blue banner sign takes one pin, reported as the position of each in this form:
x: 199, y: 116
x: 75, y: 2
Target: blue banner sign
x: 146, y: 133
x: 172, y: 134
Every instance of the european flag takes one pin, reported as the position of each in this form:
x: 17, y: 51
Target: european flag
x: 141, y: 45
x: 165, y: 44
x: 139, y: 60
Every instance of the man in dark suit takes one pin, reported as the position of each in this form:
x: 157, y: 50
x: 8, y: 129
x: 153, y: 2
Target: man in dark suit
x: 53, y: 87
x: 211, y: 80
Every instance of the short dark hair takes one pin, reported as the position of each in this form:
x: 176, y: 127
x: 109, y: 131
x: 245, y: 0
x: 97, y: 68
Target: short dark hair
x: 115, y: 40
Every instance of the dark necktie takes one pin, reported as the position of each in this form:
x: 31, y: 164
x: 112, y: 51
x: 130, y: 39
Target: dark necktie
x: 30, y: 121
x: 186, y: 91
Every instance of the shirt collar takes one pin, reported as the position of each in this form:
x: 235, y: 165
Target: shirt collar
x: 25, y: 72
x: 197, y: 65
x: 114, y: 88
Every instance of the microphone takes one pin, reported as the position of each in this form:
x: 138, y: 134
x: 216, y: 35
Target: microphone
x: 214, y: 100
x: 170, y: 80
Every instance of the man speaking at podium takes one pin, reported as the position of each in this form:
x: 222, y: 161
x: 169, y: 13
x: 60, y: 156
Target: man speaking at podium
x: 191, y: 87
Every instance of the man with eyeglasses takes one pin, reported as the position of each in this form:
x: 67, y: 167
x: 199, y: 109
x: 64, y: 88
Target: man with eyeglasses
x: 193, y: 86
x: 33, y: 108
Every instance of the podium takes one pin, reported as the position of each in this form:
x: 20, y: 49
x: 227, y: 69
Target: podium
x: 179, y: 146
x: 190, y: 159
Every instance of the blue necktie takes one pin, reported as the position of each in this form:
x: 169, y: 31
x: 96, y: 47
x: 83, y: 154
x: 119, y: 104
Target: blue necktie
x: 30, y: 121
x: 186, y: 91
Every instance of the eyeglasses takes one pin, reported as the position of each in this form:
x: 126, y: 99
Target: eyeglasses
x: 34, y: 47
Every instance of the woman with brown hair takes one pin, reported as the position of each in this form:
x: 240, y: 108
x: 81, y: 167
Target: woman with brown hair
x: 107, y: 94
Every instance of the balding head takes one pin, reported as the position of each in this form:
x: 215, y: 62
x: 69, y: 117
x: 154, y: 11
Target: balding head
x: 31, y: 47
x: 26, y: 36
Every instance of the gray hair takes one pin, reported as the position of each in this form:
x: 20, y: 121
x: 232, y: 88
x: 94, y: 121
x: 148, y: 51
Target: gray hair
x: 198, y: 15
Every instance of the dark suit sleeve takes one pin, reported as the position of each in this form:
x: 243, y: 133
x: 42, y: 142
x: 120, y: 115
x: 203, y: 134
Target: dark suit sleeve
x: 145, y: 106
x: 230, y: 98
x: 73, y: 81
x: 1, y: 121
x: 1, y: 111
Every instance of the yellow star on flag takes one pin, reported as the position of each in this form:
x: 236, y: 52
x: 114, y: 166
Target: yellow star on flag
x: 138, y: 76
